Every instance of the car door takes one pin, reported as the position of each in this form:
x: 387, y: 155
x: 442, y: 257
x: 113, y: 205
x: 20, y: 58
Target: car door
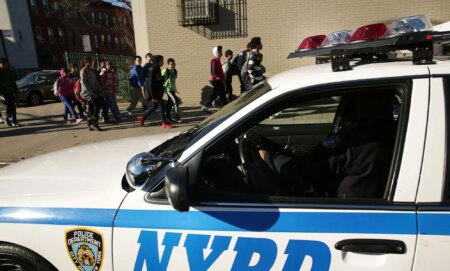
x: 433, y: 198
x: 232, y: 225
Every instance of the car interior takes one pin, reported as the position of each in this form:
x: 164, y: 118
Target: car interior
x: 232, y: 167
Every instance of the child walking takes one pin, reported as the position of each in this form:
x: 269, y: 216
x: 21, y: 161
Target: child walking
x: 170, y: 75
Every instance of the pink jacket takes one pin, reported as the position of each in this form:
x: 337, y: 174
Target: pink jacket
x: 64, y: 86
x: 109, y: 81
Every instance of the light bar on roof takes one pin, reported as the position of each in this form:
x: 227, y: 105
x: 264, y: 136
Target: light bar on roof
x: 311, y: 42
x: 369, y: 32
x: 410, y: 24
x: 337, y: 38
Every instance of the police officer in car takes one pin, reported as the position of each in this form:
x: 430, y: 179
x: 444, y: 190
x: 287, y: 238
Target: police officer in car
x: 351, y: 163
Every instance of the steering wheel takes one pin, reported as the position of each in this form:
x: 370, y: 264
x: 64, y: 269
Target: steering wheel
x: 248, y: 153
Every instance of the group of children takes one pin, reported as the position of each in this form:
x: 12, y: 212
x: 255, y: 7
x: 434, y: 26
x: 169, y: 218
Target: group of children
x: 246, y: 65
x: 150, y: 82
x: 101, y: 98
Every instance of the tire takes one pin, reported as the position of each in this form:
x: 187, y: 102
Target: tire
x: 18, y: 258
x: 34, y: 98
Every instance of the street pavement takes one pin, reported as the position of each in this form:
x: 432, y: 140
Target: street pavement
x: 43, y: 130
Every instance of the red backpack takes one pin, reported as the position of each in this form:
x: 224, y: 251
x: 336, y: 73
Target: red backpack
x: 77, y: 90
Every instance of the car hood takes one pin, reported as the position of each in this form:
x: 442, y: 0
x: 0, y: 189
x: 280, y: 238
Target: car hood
x: 87, y: 176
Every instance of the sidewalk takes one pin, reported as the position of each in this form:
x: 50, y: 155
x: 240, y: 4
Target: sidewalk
x: 43, y: 131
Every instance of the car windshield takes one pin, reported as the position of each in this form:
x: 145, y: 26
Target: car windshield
x: 175, y: 146
x: 34, y: 78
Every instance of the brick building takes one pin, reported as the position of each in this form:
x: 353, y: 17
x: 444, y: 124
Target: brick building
x: 56, y: 26
x: 282, y: 25
x: 91, y: 29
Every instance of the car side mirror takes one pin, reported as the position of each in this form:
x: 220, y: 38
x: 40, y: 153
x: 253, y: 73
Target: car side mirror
x: 142, y: 167
x: 177, y: 188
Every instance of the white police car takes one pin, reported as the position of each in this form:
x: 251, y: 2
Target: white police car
x: 205, y: 199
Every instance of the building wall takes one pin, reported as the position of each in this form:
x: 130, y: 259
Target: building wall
x: 281, y: 24
x: 19, y: 42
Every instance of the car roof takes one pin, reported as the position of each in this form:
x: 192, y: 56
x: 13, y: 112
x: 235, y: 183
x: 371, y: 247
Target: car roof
x: 322, y: 74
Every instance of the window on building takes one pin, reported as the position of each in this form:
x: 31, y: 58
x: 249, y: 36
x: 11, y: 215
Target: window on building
x: 51, y: 37
x: 116, y: 43
x: 110, y: 45
x: 57, y: 9
x: 103, y: 44
x: 46, y: 9
x: 74, y: 38
x: 96, y: 41
x: 100, y: 18
x: 39, y: 35
x: 106, y: 20
x: 62, y: 39
x: 93, y: 17
x: 114, y: 20
x: 33, y: 7
x: 55, y: 60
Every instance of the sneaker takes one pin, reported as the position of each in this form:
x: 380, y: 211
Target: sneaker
x: 141, y: 120
x: 96, y: 127
x: 8, y: 122
x: 78, y: 120
x: 166, y: 125
x: 177, y: 120
x: 206, y: 110
x: 16, y: 124
x: 129, y: 111
x: 66, y: 122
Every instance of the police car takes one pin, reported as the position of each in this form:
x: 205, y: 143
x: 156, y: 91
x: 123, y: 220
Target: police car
x: 206, y: 199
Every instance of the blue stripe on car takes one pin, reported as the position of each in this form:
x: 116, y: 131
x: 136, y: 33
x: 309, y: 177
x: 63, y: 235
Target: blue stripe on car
x: 267, y: 221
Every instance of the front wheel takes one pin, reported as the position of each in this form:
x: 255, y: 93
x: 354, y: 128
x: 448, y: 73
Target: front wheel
x: 18, y: 258
x: 34, y: 98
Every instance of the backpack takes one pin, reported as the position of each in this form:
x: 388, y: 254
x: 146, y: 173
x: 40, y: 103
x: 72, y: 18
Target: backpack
x: 244, y: 73
x: 55, y: 88
x: 237, y: 62
x: 77, y: 90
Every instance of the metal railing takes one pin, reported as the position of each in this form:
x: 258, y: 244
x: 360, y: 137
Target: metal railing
x: 121, y: 64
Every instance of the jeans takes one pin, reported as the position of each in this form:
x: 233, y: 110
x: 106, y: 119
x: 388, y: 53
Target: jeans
x: 68, y: 107
x: 94, y: 106
x: 219, y: 91
x: 111, y: 103
x: 137, y: 96
x: 10, y: 106
x: 160, y: 102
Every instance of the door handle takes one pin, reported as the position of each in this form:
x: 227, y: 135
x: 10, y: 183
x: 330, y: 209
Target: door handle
x: 383, y: 246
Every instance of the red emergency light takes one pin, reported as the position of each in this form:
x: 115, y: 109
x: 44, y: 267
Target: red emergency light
x: 311, y: 42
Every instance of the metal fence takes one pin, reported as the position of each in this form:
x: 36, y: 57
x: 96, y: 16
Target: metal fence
x: 121, y: 64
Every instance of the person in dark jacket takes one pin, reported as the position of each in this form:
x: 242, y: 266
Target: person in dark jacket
x: 254, y: 69
x: 8, y: 90
x: 352, y: 163
x: 154, y: 92
x: 92, y: 93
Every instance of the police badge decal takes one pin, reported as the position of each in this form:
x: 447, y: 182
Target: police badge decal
x: 85, y: 248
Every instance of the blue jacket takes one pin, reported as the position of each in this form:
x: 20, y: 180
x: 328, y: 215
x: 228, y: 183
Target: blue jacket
x: 137, y: 76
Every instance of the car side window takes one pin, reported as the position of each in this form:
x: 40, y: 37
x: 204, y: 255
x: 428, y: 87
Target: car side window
x: 337, y: 145
x: 446, y: 82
